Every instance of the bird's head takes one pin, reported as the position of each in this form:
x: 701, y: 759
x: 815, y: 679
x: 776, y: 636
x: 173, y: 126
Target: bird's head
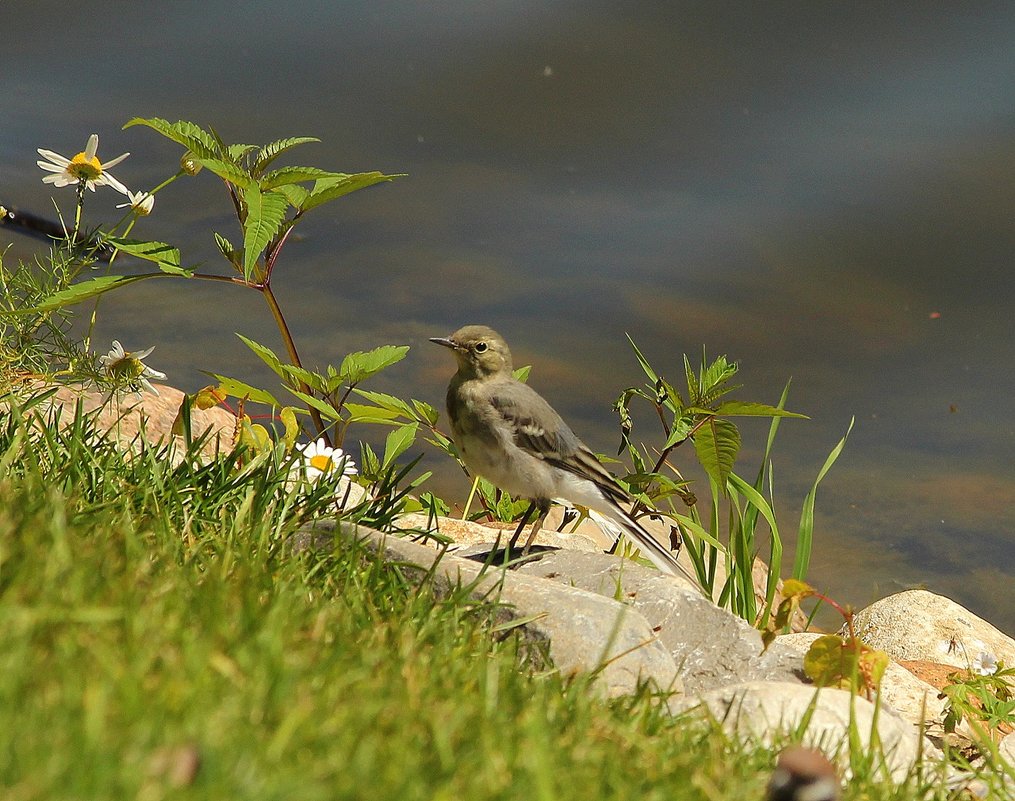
x: 480, y: 351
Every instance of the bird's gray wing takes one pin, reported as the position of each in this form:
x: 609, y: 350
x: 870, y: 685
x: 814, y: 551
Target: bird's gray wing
x: 539, y: 430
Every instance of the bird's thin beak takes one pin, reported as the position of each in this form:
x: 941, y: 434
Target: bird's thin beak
x: 445, y: 341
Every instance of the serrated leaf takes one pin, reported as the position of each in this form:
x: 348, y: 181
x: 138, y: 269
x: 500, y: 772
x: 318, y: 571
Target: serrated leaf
x: 273, y: 150
x: 716, y: 375
x: 389, y: 402
x: 236, y: 152
x: 693, y: 393
x: 235, y: 388
x: 291, y: 175
x: 165, y: 256
x: 747, y: 409
x: 339, y: 184
x: 397, y: 442
x: 369, y: 463
x: 522, y: 373
x: 717, y: 443
x: 362, y: 364
x: 265, y: 216
x: 295, y: 194
x: 265, y: 354
x: 426, y: 411
x: 83, y: 290
x: 226, y: 249
x: 361, y: 413
x: 227, y: 171
x: 191, y: 136
x: 303, y: 376
x: 313, y: 402
x: 679, y: 431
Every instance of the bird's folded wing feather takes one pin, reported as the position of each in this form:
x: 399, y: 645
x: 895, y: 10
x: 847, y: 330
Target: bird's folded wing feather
x: 542, y: 432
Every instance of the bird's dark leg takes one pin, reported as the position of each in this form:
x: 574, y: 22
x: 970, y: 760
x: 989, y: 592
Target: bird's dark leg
x: 521, y: 526
x: 544, y: 507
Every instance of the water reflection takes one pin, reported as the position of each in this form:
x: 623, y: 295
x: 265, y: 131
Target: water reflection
x: 820, y: 192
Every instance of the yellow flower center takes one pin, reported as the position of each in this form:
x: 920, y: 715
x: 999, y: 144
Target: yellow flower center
x: 322, y: 463
x: 125, y: 369
x: 84, y: 168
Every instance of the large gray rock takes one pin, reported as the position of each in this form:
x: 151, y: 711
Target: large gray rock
x: 582, y: 632
x: 710, y: 646
x: 766, y: 712
x: 917, y: 624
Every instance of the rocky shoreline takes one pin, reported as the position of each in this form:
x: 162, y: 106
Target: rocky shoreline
x: 586, y: 611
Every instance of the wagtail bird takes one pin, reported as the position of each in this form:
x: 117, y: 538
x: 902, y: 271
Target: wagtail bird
x: 507, y: 433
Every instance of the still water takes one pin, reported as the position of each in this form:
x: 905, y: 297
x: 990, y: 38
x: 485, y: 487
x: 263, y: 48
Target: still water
x: 823, y: 192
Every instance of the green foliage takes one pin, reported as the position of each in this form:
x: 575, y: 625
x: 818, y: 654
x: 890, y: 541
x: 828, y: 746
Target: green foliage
x: 832, y: 661
x: 723, y: 538
x: 268, y: 202
x: 987, y: 701
x: 160, y: 630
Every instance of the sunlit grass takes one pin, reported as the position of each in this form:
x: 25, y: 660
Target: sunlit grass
x: 159, y: 640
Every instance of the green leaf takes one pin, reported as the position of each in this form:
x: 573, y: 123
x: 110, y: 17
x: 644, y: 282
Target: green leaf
x: 680, y: 430
x: 322, y: 406
x: 716, y: 376
x: 362, y: 364
x: 806, y: 532
x: 292, y: 428
x: 522, y: 373
x: 747, y: 409
x: 191, y: 136
x: 398, y: 442
x: 273, y: 150
x: 226, y: 249
x: 693, y: 388
x: 165, y: 256
x: 227, y: 171
x: 339, y: 184
x: 265, y: 354
x: 265, y: 216
x: 237, y: 152
x: 389, y: 402
x: 426, y: 412
x: 291, y: 175
x: 717, y: 443
x: 238, y: 389
x: 301, y: 375
x: 645, y: 366
x: 83, y: 290
x: 295, y: 194
x: 360, y: 413
x: 850, y: 664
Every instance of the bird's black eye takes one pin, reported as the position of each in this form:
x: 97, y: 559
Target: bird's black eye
x: 481, y: 347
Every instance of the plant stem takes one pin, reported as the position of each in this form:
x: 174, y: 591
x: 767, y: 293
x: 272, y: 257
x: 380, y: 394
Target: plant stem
x: 294, y: 356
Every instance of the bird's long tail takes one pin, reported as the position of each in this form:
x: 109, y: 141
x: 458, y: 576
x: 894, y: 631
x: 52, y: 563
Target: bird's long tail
x: 620, y: 522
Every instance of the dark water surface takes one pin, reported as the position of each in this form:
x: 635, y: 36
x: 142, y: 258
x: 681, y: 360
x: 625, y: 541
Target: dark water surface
x: 821, y: 191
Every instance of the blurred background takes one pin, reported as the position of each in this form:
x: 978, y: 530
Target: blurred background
x: 822, y: 192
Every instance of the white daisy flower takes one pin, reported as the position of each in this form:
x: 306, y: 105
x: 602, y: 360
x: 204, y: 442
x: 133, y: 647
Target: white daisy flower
x: 319, y: 459
x: 141, y: 203
x: 84, y: 168
x: 127, y: 370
